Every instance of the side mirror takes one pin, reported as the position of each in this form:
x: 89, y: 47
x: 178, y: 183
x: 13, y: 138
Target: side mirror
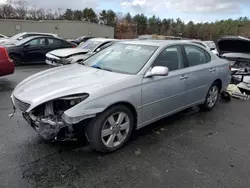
x: 157, y: 71
x: 26, y: 45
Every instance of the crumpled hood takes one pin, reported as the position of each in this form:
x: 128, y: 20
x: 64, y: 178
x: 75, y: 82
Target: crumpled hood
x: 62, y: 81
x: 68, y: 52
x: 233, y: 44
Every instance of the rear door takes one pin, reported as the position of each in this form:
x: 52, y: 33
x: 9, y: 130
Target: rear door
x: 55, y: 43
x: 201, y: 73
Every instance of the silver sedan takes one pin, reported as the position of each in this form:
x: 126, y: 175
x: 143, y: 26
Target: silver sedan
x: 123, y: 88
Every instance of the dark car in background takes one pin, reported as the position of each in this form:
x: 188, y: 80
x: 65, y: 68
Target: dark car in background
x: 81, y: 39
x: 34, y: 49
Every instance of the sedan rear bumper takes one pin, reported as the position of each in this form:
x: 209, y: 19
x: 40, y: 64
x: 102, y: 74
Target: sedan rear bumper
x: 6, y: 67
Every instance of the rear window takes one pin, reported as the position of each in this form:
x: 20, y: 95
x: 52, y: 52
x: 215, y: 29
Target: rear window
x: 54, y: 41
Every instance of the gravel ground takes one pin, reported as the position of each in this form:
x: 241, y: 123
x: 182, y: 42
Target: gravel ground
x: 190, y: 149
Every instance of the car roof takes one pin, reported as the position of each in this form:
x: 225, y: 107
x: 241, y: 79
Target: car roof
x: 39, y: 33
x: 157, y: 43
x: 40, y: 36
x: 102, y: 39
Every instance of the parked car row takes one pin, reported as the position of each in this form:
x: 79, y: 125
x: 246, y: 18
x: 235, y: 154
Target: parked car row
x: 119, y: 89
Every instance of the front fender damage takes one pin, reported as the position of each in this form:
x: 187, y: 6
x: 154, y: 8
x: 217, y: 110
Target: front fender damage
x: 50, y: 121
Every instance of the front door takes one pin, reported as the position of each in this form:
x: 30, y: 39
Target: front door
x: 163, y: 95
x: 35, y: 50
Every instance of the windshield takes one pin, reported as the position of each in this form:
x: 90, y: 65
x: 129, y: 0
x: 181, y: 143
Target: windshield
x: 121, y: 57
x: 15, y: 37
x: 90, y: 45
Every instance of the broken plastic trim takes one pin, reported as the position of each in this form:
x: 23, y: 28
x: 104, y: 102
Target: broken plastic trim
x: 46, y: 127
x: 75, y: 120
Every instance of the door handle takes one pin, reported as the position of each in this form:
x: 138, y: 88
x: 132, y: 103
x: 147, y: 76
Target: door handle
x: 212, y: 70
x: 183, y: 77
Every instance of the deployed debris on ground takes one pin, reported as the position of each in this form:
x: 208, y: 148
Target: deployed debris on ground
x: 235, y: 92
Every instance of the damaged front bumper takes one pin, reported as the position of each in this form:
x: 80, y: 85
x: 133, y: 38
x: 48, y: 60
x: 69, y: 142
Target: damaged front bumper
x: 51, y: 120
x: 47, y: 127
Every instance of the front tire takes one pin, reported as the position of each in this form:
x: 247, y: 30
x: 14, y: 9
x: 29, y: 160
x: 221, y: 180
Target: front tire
x: 111, y: 129
x: 17, y: 60
x: 211, y: 97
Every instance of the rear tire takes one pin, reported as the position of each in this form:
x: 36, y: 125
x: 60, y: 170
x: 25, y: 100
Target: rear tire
x: 211, y: 97
x: 111, y: 129
x: 17, y: 60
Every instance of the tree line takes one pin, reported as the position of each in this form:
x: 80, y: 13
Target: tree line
x: 20, y: 9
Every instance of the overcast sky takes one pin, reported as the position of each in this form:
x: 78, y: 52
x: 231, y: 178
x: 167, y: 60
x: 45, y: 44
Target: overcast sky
x: 196, y: 10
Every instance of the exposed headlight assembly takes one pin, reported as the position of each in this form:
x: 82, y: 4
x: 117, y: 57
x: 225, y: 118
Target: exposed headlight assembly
x: 66, y: 61
x: 75, y: 99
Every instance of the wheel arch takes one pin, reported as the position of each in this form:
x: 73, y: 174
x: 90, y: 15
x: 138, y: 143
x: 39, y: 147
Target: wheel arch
x: 219, y: 82
x: 16, y: 54
x: 129, y: 106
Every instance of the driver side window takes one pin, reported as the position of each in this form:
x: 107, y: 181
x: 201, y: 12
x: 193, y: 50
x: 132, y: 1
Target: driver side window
x: 170, y: 57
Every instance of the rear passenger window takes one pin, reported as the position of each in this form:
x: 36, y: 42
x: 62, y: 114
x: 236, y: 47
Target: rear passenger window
x: 170, y: 57
x: 196, y: 55
x: 54, y: 42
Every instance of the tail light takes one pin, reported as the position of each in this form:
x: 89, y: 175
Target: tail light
x: 4, y: 52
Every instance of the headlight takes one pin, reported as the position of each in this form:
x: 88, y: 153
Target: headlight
x: 66, y: 60
x: 75, y: 99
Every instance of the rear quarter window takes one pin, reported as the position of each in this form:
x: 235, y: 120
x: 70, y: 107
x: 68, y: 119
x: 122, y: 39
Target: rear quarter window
x: 55, y: 42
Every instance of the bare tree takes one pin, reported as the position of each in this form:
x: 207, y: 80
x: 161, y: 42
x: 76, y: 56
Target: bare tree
x: 7, y: 11
x: 50, y: 15
x: 32, y: 13
x: 40, y: 14
x: 21, y: 8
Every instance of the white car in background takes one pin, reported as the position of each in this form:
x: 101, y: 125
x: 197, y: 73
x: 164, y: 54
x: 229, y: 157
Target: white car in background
x: 3, y: 37
x: 210, y: 45
x: 21, y: 36
x: 82, y: 52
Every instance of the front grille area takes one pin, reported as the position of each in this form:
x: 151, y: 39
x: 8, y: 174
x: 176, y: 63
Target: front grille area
x: 53, y: 60
x: 22, y: 106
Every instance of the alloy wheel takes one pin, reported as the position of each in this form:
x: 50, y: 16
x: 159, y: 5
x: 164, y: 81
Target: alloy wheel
x: 212, y: 96
x: 115, y: 129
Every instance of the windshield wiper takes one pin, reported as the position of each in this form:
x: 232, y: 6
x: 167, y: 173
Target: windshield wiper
x: 101, y: 68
